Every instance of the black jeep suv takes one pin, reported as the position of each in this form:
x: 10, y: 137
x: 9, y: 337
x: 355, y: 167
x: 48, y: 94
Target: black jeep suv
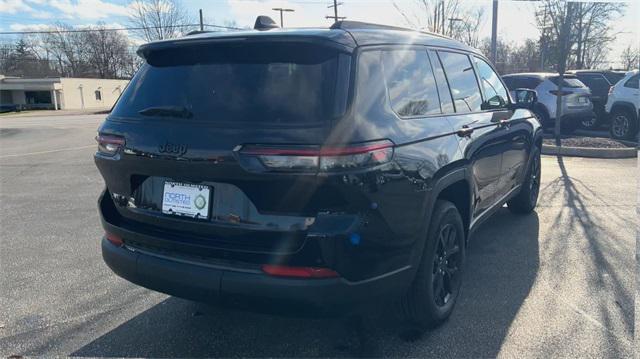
x: 325, y: 168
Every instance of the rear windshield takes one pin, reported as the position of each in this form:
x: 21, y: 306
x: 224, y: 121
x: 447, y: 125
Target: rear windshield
x: 614, y: 77
x: 572, y: 82
x: 259, y: 83
x: 517, y: 82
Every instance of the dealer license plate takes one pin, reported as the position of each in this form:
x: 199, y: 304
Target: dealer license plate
x: 185, y: 199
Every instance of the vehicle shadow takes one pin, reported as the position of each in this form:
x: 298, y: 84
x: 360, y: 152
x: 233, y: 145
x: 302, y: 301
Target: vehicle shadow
x: 501, y: 269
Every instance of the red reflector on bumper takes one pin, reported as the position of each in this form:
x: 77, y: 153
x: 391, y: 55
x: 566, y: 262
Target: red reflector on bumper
x: 114, y: 239
x: 298, y: 272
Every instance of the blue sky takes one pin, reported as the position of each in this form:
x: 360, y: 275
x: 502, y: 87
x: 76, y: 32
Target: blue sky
x: 516, y: 22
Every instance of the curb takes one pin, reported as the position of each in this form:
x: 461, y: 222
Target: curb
x: 590, y: 152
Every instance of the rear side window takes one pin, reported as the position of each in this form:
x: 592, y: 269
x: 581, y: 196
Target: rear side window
x: 410, y: 83
x: 632, y: 82
x: 495, y: 93
x: 462, y: 81
x: 596, y: 82
x: 446, y: 102
x: 253, y: 83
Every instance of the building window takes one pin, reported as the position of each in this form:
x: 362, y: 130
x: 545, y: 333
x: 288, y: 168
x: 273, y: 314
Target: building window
x: 98, y: 95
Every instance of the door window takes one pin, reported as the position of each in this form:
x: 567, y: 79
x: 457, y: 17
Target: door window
x: 410, y: 83
x: 494, y: 91
x: 462, y: 81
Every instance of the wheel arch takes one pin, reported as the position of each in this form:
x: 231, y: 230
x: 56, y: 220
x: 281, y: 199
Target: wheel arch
x: 624, y: 106
x: 541, y: 107
x: 455, y: 187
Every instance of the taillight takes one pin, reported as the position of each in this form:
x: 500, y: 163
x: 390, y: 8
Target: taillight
x: 109, y: 144
x: 560, y: 93
x: 298, y: 272
x: 611, y: 89
x: 325, y: 159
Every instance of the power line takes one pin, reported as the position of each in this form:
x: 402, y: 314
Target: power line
x: 27, y: 32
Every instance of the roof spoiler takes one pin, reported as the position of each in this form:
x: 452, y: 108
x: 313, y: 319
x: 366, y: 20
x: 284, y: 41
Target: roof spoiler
x: 264, y: 23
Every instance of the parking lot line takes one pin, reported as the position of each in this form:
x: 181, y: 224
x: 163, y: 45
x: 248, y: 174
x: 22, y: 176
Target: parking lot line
x: 45, y: 152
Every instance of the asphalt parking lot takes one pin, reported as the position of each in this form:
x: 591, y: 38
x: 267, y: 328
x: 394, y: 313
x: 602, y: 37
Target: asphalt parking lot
x: 558, y: 282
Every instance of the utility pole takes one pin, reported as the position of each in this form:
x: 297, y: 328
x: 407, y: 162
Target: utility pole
x: 335, y: 16
x: 201, y: 23
x: 281, y: 11
x: 494, y: 32
x: 543, y: 40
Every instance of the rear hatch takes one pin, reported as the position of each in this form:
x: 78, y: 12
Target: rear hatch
x: 577, y: 94
x: 184, y: 120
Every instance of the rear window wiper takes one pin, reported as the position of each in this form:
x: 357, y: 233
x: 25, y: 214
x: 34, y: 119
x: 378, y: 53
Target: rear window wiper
x: 167, y: 111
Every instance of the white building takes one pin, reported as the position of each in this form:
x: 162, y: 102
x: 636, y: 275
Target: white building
x: 65, y: 93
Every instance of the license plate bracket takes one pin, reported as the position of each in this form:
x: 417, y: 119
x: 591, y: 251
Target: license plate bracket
x: 186, y: 199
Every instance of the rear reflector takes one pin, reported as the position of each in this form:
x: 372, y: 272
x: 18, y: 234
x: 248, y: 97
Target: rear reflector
x: 114, y: 239
x: 298, y: 272
x: 316, y: 158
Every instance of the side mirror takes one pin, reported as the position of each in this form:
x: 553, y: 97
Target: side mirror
x: 525, y: 98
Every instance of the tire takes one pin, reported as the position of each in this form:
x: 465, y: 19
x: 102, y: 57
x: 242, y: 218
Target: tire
x: 542, y: 116
x: 432, y: 296
x: 527, y: 198
x: 624, y: 125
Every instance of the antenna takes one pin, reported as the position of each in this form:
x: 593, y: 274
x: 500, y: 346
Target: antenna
x: 264, y: 23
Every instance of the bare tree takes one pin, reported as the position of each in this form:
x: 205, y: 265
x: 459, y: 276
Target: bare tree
x: 630, y: 57
x: 159, y: 19
x: 69, y: 49
x: 592, y: 31
x: 108, y: 52
x: 589, y: 34
x: 561, y: 16
x: 446, y: 17
x: 466, y: 29
x: 24, y: 58
x: 514, y: 57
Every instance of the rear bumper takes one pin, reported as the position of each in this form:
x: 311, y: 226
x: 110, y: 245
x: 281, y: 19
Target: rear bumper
x: 578, y: 115
x: 572, y: 117
x: 198, y: 277
x: 211, y: 283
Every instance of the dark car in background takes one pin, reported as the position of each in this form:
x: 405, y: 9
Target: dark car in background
x: 599, y: 82
x: 328, y: 168
x: 577, y: 98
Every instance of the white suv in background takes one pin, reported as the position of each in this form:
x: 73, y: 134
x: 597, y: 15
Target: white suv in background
x: 622, y: 107
x: 577, y: 97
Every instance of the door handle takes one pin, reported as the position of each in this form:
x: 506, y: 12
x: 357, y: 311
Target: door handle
x: 465, y: 131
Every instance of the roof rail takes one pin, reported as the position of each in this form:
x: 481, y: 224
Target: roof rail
x: 196, y: 32
x: 359, y: 25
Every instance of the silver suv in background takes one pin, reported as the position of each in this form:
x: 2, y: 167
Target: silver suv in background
x: 577, y: 101
x: 622, y: 106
